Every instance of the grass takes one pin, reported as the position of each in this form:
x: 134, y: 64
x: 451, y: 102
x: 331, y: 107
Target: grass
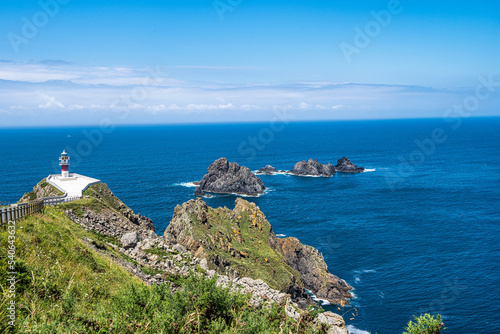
x: 103, y: 193
x: 65, y: 286
x: 63, y: 283
x: 78, y: 205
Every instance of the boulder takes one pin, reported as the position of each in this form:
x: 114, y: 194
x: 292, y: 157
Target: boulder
x: 130, y: 240
x: 335, y: 323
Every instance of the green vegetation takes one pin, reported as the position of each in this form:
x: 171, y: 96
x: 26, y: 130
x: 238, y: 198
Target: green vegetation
x: 45, y: 188
x: 66, y: 286
x: 425, y: 324
x: 242, y: 238
x: 44, y: 184
x: 101, y: 192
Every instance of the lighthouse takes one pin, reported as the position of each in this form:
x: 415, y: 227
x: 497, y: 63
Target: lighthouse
x: 64, y: 163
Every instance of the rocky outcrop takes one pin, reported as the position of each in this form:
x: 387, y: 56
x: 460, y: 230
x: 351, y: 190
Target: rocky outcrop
x: 240, y: 242
x: 314, y: 272
x: 345, y: 165
x: 333, y: 322
x: 41, y: 190
x: 268, y: 170
x: 134, y: 246
x: 104, y: 213
x: 312, y: 168
x: 229, y: 177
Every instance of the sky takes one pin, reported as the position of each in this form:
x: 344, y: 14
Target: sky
x: 79, y: 62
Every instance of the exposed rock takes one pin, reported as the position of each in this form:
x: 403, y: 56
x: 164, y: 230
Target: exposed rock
x: 225, y: 238
x: 130, y: 240
x: 344, y: 165
x: 268, y: 170
x: 41, y: 190
x: 335, y: 323
x: 314, y: 272
x: 113, y: 218
x: 179, y: 248
x: 229, y: 177
x: 312, y: 168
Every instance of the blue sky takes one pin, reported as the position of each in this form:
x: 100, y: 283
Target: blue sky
x: 77, y: 62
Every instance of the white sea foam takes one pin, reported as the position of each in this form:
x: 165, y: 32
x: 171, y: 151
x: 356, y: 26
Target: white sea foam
x: 354, y: 330
x: 366, y: 271
x: 280, y: 235
x: 369, y: 170
x: 185, y: 184
x: 322, y: 302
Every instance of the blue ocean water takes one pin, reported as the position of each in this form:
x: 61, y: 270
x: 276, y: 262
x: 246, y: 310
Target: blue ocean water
x: 419, y: 232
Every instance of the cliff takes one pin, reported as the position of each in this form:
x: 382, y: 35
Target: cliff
x: 110, y: 272
x: 241, y: 242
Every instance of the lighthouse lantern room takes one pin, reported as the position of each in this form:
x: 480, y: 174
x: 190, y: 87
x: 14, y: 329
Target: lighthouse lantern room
x: 64, y: 163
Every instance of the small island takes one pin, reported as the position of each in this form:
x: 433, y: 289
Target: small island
x: 345, y: 165
x: 312, y: 168
x: 268, y: 170
x: 229, y: 177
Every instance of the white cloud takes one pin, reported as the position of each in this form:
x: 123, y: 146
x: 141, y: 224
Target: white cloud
x: 49, y: 102
x: 151, y: 96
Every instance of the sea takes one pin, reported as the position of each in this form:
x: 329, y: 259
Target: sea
x: 418, y: 232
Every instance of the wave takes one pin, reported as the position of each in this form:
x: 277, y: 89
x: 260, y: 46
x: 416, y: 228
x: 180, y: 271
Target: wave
x: 354, y: 330
x: 212, y: 194
x: 276, y: 173
x: 366, y: 271
x: 322, y: 302
x: 367, y: 170
x: 281, y: 235
x: 185, y: 184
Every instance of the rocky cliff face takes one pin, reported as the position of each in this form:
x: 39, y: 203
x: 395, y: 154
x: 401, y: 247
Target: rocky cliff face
x: 229, y: 177
x: 240, y: 242
x: 101, y: 211
x: 345, y: 165
x: 312, y: 168
x: 41, y: 190
x: 314, y: 271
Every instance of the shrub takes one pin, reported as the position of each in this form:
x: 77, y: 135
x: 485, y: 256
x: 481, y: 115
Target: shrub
x: 425, y: 324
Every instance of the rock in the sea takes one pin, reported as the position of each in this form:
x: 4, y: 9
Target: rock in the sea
x: 268, y: 170
x: 129, y: 240
x: 229, y: 177
x: 312, y: 168
x: 345, y: 165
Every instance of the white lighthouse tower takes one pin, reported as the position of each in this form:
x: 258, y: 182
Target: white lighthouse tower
x: 64, y: 163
